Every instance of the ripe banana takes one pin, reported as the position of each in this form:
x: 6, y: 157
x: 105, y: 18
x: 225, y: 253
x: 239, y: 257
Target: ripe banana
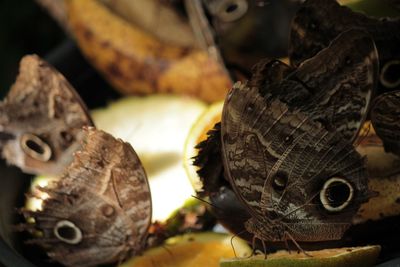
x: 135, y: 62
x: 384, y: 182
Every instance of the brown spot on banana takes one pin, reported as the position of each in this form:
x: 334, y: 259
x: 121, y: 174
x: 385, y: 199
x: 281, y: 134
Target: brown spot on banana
x: 137, y: 63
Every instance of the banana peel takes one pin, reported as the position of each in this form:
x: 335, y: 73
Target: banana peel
x: 135, y: 62
x: 384, y: 182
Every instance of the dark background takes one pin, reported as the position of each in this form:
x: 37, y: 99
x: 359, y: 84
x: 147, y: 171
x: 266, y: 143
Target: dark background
x: 25, y: 28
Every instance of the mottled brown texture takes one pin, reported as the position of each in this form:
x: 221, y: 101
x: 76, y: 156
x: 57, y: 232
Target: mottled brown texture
x: 385, y: 117
x: 42, y: 104
x: 318, y: 22
x: 106, y: 195
x: 337, y: 84
x: 264, y: 141
x: 284, y: 135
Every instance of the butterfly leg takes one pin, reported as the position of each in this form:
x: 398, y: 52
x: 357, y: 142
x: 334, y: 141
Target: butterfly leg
x: 253, y: 245
x: 287, y: 246
x: 288, y: 235
x: 264, y: 249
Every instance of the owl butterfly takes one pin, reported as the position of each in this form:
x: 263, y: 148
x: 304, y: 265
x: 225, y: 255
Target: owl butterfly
x: 300, y: 180
x: 318, y: 22
x: 40, y: 119
x: 334, y: 87
x: 385, y: 116
x: 100, y: 210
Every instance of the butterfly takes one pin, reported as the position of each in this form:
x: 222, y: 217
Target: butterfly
x: 286, y: 142
x: 40, y: 119
x: 318, y: 22
x: 385, y: 116
x: 100, y: 210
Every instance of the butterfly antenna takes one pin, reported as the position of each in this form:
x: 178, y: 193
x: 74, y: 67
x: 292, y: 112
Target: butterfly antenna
x: 236, y: 235
x: 219, y: 209
x: 203, y: 200
x: 206, y: 202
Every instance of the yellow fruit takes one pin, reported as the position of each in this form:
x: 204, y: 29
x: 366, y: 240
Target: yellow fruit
x: 194, y: 250
x: 137, y: 63
x: 337, y: 257
x: 156, y: 126
x: 198, y: 133
x: 384, y: 178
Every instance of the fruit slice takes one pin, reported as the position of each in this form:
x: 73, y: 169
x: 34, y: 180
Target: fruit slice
x: 136, y: 62
x: 337, y: 257
x: 198, y: 133
x: 156, y: 126
x: 194, y: 250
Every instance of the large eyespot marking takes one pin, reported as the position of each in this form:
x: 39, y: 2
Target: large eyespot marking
x: 68, y: 232
x: 279, y: 181
x: 390, y: 74
x: 230, y: 10
x: 35, y: 147
x: 336, y: 194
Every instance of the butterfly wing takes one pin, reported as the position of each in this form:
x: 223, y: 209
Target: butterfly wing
x: 277, y: 160
x: 40, y: 119
x: 336, y: 85
x: 385, y: 116
x: 265, y: 73
x: 104, y: 198
x: 318, y: 22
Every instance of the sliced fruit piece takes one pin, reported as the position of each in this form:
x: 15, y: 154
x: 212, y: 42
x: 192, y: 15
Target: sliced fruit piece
x: 198, y: 133
x: 194, y: 250
x: 135, y: 62
x: 336, y: 257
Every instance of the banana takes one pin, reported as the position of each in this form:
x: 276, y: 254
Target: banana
x: 135, y: 62
x: 384, y: 182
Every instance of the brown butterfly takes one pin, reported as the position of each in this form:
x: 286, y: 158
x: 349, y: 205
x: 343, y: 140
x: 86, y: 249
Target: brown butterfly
x: 100, y: 210
x: 299, y: 181
x: 318, y: 22
x: 40, y: 119
x: 385, y: 116
x: 286, y: 142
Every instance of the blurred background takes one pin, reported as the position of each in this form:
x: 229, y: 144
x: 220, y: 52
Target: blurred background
x: 25, y: 28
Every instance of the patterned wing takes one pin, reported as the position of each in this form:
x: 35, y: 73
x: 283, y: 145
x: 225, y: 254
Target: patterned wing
x: 100, y: 210
x: 385, y: 115
x: 336, y: 85
x: 40, y: 119
x: 318, y: 22
x: 278, y: 160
